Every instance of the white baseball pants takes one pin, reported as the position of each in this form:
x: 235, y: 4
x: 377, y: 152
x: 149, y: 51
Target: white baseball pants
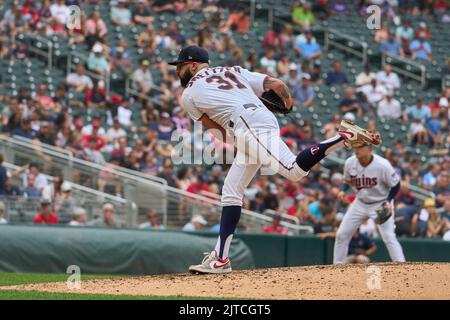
x: 356, y: 214
x: 258, y: 143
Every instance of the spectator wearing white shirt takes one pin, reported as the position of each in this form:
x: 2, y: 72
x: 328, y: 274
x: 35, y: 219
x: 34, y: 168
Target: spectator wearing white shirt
x: 79, y: 217
x: 269, y: 62
x: 142, y: 78
x: 125, y: 114
x: 60, y: 11
x: 121, y: 15
x: 114, y: 134
x: 388, y: 78
x: 79, y: 80
x: 163, y: 40
x: 365, y: 77
x: 374, y: 92
x: 40, y: 181
x: 152, y: 221
x: 389, y: 108
x: 95, y: 123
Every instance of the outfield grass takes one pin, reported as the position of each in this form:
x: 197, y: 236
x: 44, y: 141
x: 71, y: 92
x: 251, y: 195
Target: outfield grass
x: 11, y: 279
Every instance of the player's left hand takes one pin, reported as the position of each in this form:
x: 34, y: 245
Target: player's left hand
x: 384, y: 212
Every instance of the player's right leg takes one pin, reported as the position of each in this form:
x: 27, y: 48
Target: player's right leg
x: 350, y: 223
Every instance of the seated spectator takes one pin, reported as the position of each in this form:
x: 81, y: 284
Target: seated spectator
x: 97, y: 61
x: 389, y: 108
x: 360, y: 248
x: 142, y: 14
x: 159, y: 6
x: 303, y: 16
x: 2, y: 213
x: 304, y: 94
x: 365, y: 77
x: 53, y: 190
x: 142, y: 78
x: 316, y: 74
x: 274, y: 38
x: 444, y: 211
x: 268, y: 61
x: 292, y: 79
x: 442, y: 186
x: 382, y: 34
x: 299, y: 209
x: 336, y: 77
x: 43, y: 99
x: 197, y: 223
x: 167, y: 173
x: 91, y: 152
x: 326, y: 227
x: 388, y: 78
x: 282, y: 65
x: 40, y: 179
x: 11, y: 189
x: 435, y: 224
x: 65, y: 203
x: 391, y: 46
x: 21, y: 52
x: 420, y: 49
x: 430, y: 178
x: 152, y: 221
x: 418, y: 111
x: 147, y: 38
x: 275, y: 227
x: 180, y: 120
x: 163, y: 40
x: 96, y: 96
x: 46, y: 134
x: 120, y: 63
x: 404, y: 31
x: 25, y: 130
x: 309, y: 49
x: 121, y: 15
x: 318, y: 208
x: 79, y: 217
x: 423, y: 32
x: 433, y: 127
x: 96, y: 29
x: 417, y: 132
x: 107, y: 219
x: 114, y: 134
x: 175, y: 34
x: 406, y: 221
x: 404, y: 195
x: 239, y: 20
x: 46, y: 215
x: 374, y: 92
x: 60, y: 11
x: 350, y: 104
x: 338, y: 7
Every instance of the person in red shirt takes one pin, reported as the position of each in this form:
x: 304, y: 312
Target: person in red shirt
x: 275, y: 227
x: 198, y: 186
x: 45, y: 216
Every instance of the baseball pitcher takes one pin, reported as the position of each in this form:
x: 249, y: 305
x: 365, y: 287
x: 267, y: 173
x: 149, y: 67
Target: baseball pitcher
x: 376, y: 183
x: 240, y: 105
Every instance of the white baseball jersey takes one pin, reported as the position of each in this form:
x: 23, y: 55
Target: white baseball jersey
x: 218, y: 92
x: 372, y: 183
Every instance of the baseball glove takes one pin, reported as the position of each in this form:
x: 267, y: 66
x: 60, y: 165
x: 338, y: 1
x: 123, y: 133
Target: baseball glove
x: 384, y: 212
x: 274, y: 103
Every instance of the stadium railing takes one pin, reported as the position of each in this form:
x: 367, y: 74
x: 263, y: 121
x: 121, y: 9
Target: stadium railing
x: 147, y: 192
x: 22, y: 209
x: 406, y: 67
x: 346, y: 43
x: 38, y: 45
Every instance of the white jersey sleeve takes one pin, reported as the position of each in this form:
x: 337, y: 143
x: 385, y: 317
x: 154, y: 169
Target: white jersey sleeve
x: 255, y: 79
x: 390, y: 176
x: 188, y: 104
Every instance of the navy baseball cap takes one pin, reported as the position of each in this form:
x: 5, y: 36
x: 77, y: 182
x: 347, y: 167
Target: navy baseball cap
x: 191, y: 54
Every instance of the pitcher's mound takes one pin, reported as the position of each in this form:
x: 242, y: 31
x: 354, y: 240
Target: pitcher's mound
x: 372, y: 281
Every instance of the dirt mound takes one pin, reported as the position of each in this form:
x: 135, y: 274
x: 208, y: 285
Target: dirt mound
x: 374, y: 281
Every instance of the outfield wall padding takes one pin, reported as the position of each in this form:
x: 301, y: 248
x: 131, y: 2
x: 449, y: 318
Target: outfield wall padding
x: 129, y: 251
x: 107, y: 251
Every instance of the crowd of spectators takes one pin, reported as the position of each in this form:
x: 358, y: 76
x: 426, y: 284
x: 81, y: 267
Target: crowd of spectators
x: 135, y: 133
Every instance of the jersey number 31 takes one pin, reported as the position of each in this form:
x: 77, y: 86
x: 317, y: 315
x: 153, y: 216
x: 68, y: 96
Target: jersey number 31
x: 224, y: 84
